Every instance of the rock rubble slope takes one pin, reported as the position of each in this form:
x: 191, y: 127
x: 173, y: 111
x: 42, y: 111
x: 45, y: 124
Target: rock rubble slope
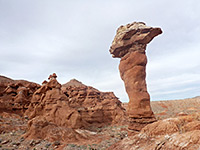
x: 173, y: 133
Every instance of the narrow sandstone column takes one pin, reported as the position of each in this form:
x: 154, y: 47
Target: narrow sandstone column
x: 129, y: 44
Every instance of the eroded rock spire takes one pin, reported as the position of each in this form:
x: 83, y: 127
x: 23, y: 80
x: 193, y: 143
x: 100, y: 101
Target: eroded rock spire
x: 129, y: 44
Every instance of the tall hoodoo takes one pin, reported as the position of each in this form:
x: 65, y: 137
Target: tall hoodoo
x: 129, y: 44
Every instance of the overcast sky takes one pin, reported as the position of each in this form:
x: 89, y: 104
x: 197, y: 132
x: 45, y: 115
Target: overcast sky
x: 72, y: 38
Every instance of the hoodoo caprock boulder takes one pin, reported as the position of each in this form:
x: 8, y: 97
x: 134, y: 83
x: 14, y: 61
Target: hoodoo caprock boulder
x: 130, y: 44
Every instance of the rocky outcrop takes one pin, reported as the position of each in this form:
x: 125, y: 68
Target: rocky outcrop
x: 40, y: 128
x: 70, y: 106
x: 15, y: 95
x: 61, y: 108
x: 129, y: 44
x: 94, y: 106
x: 49, y: 103
x: 173, y: 133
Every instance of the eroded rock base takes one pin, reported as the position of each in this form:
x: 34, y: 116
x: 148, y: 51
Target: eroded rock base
x: 136, y: 124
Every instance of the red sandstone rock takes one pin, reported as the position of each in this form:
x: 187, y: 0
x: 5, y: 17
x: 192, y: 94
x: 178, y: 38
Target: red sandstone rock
x: 51, y: 103
x: 161, y: 127
x: 54, y: 75
x: 173, y: 133
x: 44, y: 82
x: 50, y: 107
x: 96, y: 108
x: 194, y: 125
x: 50, y: 76
x: 132, y: 37
x: 15, y: 95
x: 72, y: 105
x: 40, y: 128
x: 50, y: 113
x: 129, y: 44
x: 182, y: 114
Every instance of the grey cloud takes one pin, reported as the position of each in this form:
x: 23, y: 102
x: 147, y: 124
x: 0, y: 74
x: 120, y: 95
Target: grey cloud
x: 72, y: 38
